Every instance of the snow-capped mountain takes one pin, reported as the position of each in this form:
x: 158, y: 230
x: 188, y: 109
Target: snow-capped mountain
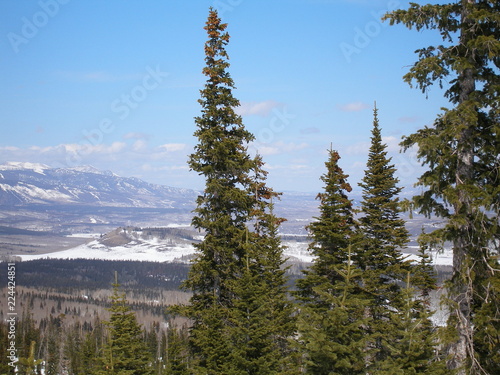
x: 23, y: 184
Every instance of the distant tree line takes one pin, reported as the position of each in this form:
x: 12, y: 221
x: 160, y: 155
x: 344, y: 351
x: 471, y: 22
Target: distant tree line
x: 117, y: 346
x: 92, y: 274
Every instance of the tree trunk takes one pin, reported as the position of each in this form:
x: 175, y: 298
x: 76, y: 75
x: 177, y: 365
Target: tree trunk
x: 462, y: 350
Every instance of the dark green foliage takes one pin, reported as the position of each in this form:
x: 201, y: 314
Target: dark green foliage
x: 334, y: 229
x: 332, y: 319
x: 72, y: 351
x: 125, y: 351
x: 5, y: 369
x: 69, y: 274
x: 379, y: 255
x: 383, y: 230
x: 26, y: 334
x: 412, y: 340
x: 241, y: 319
x: 461, y: 150
x: 177, y: 351
x: 53, y: 346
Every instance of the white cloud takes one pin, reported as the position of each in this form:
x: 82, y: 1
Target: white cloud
x: 279, y: 147
x: 173, y: 147
x: 135, y: 135
x: 139, y: 145
x: 257, y: 108
x: 392, y: 143
x: 267, y: 150
x: 360, y: 148
x: 152, y: 168
x: 353, y: 107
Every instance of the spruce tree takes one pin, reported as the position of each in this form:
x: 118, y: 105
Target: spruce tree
x: 461, y: 150
x: 331, y: 321
x: 240, y: 244
x: 262, y: 314
x: 413, y: 339
x: 177, y: 351
x: 384, y: 234
x: 125, y: 352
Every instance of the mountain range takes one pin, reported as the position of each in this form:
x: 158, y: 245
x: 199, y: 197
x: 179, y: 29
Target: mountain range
x: 84, y: 199
x: 23, y: 184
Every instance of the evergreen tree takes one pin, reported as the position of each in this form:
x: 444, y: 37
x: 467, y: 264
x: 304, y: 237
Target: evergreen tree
x: 28, y: 333
x: 53, y: 346
x: 5, y: 368
x: 92, y: 347
x: 413, y: 339
x: 331, y: 322
x: 383, y: 230
x: 30, y: 365
x: 461, y: 150
x: 73, y: 350
x: 384, y: 234
x: 125, y: 353
x: 262, y: 315
x: 177, y: 351
x: 235, y: 196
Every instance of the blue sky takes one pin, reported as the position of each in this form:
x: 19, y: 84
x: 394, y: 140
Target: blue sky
x: 114, y: 84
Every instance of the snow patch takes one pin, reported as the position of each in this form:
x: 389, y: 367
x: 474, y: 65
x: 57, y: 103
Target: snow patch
x: 133, y: 251
x: 35, y: 167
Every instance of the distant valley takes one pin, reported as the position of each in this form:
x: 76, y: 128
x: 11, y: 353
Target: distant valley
x: 85, y: 212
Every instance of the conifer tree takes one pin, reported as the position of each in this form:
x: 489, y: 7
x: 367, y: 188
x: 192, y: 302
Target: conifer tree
x: 53, y: 346
x: 177, y: 351
x: 262, y: 314
x: 461, y: 150
x: 30, y: 365
x: 5, y: 368
x: 413, y: 339
x: 73, y: 350
x: 235, y: 199
x: 332, y: 303
x: 384, y: 234
x: 91, y: 348
x: 125, y: 353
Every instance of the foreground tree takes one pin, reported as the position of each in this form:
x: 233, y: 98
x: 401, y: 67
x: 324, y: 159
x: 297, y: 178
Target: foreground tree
x: 461, y: 150
x: 383, y: 236
x: 332, y: 318
x: 236, y: 328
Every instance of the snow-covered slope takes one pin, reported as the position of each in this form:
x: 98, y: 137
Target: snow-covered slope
x: 170, y: 245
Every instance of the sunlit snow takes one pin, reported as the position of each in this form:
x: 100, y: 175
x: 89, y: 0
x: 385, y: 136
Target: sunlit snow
x: 155, y: 250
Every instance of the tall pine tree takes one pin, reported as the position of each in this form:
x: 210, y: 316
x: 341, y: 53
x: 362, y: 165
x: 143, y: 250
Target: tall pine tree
x: 332, y: 318
x: 237, y: 327
x: 384, y: 235
x: 461, y: 150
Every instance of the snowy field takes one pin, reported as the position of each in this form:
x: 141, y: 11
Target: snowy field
x: 157, y: 251
x: 151, y: 251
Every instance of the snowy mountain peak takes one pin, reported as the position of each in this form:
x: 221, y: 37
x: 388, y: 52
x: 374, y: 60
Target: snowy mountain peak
x: 16, y: 165
x: 91, y: 169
